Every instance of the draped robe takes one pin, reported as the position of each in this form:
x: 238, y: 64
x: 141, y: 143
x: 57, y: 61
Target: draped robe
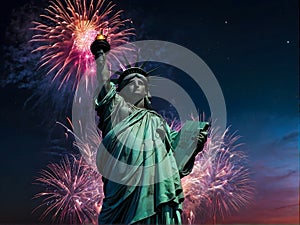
x: 141, y: 180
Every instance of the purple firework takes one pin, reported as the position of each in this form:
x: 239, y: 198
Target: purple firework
x: 73, y: 188
x: 220, y: 183
x: 66, y: 31
x: 72, y: 192
x: 57, y: 43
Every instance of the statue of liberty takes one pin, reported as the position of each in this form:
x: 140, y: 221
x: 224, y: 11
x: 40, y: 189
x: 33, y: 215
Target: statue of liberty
x: 148, y: 189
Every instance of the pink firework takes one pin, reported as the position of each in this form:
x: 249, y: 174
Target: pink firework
x: 67, y: 30
x: 72, y: 192
x: 220, y: 182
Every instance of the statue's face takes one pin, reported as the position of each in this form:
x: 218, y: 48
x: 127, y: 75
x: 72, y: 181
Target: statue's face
x: 135, y: 89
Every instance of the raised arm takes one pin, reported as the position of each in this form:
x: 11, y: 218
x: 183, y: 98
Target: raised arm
x: 99, y: 48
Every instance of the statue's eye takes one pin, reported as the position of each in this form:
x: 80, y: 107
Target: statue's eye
x: 140, y: 82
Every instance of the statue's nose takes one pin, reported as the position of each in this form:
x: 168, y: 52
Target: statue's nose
x: 136, y: 83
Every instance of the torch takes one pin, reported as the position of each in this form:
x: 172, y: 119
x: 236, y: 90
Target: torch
x: 100, y: 45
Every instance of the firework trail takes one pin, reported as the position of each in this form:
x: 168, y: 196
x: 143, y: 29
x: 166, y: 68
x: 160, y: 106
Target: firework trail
x: 87, y: 142
x: 67, y: 31
x: 220, y: 182
x: 72, y: 192
x: 50, y: 55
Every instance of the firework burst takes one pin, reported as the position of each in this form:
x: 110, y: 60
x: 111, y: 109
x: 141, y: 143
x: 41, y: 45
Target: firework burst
x: 220, y: 182
x: 72, y: 192
x: 73, y: 188
x: 66, y: 31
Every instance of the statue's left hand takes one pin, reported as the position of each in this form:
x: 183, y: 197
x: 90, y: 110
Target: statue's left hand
x: 201, y: 140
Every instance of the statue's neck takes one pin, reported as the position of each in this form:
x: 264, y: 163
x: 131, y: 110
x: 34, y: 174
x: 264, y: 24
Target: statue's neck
x: 140, y: 103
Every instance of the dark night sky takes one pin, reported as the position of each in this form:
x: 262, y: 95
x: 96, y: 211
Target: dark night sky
x: 252, y: 48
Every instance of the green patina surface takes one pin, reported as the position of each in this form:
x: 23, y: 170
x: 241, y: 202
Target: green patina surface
x: 141, y: 139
